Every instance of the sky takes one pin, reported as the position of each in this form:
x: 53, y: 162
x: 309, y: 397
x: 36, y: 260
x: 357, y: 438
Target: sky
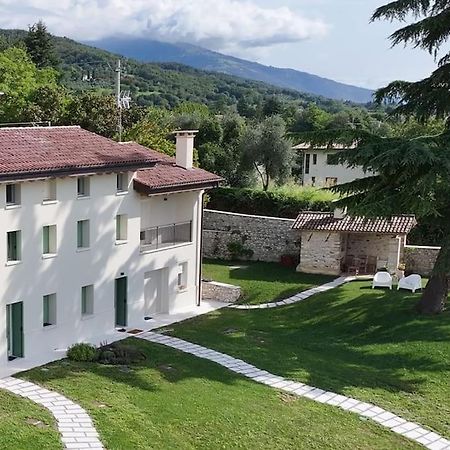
x: 330, y: 38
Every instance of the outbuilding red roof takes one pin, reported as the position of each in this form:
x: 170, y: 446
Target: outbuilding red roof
x: 167, y: 177
x: 323, y: 221
x: 45, y: 151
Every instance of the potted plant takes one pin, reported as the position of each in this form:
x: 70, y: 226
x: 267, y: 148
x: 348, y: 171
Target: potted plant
x: 401, y: 270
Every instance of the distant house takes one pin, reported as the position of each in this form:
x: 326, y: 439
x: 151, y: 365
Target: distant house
x: 95, y: 235
x: 320, y: 172
x: 334, y: 243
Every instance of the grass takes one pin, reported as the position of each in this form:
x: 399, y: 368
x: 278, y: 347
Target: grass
x: 351, y: 340
x: 305, y: 193
x: 262, y: 282
x: 173, y: 400
x: 26, y: 426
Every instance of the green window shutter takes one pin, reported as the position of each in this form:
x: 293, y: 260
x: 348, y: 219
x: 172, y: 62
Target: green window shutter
x: 79, y: 234
x: 118, y: 232
x: 46, y: 307
x: 46, y: 240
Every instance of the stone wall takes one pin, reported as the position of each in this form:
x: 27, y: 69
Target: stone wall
x: 420, y: 259
x: 262, y: 238
x: 221, y: 292
x: 320, y: 253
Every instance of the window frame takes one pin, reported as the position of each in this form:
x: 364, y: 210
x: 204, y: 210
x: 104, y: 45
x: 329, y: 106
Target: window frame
x: 314, y: 159
x: 87, y: 300
x: 83, y: 187
x: 307, y: 163
x: 49, y: 310
x: 122, y: 182
x: 83, y: 234
x: 182, y: 276
x: 50, y: 194
x: 121, y: 228
x: 17, y: 246
x: 49, y: 240
x: 15, y: 193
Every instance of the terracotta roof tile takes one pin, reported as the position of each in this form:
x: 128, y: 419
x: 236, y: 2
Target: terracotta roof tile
x: 322, y: 221
x: 26, y: 152
x: 166, y: 177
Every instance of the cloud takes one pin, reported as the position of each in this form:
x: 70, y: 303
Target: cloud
x: 216, y: 24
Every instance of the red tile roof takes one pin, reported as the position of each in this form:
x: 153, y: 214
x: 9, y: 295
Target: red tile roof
x: 44, y: 151
x: 167, y: 177
x: 322, y: 221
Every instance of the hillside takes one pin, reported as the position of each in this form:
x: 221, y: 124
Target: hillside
x: 165, y: 84
x: 201, y: 58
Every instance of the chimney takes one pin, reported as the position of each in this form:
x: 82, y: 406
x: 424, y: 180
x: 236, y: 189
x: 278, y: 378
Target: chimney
x: 185, y: 148
x: 340, y: 213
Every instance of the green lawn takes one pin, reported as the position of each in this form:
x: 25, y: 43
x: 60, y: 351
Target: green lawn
x: 26, y: 426
x: 177, y: 401
x: 351, y: 340
x: 262, y: 282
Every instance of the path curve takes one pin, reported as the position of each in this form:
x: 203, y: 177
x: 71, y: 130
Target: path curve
x: 74, y: 424
x: 411, y: 430
x: 300, y: 296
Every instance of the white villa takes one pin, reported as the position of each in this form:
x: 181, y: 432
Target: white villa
x: 95, y: 235
x: 318, y: 171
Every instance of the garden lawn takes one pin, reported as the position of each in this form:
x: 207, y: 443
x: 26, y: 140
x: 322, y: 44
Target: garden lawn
x: 262, y: 282
x: 26, y: 426
x: 369, y: 344
x: 173, y: 400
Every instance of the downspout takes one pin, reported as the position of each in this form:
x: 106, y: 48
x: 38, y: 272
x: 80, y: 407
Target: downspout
x: 200, y: 249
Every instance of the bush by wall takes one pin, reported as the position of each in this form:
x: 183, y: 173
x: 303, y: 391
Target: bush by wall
x: 284, y: 203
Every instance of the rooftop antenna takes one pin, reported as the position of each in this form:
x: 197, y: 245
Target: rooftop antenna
x: 123, y: 99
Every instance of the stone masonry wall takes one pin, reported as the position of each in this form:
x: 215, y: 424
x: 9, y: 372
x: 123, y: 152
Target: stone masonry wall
x: 420, y: 259
x: 320, y: 253
x: 268, y: 238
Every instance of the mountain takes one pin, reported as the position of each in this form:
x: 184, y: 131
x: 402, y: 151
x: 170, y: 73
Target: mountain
x: 201, y: 58
x: 162, y: 84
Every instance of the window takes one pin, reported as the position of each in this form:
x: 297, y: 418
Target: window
x: 121, y: 227
x: 50, y: 191
x: 307, y: 163
x: 331, y: 181
x: 314, y: 159
x: 14, y: 245
x: 83, y: 188
x: 83, y: 234
x: 313, y: 181
x: 12, y: 194
x: 49, y: 308
x: 49, y: 239
x: 182, y: 276
x: 331, y: 159
x: 122, y: 182
x: 87, y: 300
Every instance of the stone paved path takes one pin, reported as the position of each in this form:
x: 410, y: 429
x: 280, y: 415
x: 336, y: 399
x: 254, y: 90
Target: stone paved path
x: 300, y: 296
x: 411, y: 430
x: 74, y: 424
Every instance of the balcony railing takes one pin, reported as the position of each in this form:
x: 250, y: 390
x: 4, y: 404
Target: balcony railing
x: 166, y: 236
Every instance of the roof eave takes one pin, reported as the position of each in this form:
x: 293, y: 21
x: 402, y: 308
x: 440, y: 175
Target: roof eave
x: 144, y: 189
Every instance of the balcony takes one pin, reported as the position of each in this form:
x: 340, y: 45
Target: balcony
x: 157, y: 238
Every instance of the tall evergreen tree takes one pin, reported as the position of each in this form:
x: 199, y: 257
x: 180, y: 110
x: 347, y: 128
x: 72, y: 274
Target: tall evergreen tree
x: 39, y: 46
x: 410, y: 174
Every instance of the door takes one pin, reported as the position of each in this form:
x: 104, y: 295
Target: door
x: 153, y: 292
x: 121, y: 301
x: 14, y: 329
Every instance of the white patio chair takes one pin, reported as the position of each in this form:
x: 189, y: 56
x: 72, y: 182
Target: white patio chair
x: 412, y: 283
x: 382, y: 279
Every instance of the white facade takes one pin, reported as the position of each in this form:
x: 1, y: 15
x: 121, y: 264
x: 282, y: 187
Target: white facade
x: 318, y: 172
x: 158, y: 280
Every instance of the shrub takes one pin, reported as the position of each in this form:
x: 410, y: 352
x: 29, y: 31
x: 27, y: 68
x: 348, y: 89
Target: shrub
x: 238, y: 250
x: 82, y: 352
x: 284, y: 202
x: 120, y: 353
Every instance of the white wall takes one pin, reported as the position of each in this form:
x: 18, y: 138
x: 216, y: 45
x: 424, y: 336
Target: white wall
x: 67, y: 272
x: 322, y: 170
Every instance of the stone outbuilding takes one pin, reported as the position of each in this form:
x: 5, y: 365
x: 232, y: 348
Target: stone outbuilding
x: 335, y: 243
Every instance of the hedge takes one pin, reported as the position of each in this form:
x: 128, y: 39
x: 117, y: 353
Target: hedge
x: 270, y: 203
